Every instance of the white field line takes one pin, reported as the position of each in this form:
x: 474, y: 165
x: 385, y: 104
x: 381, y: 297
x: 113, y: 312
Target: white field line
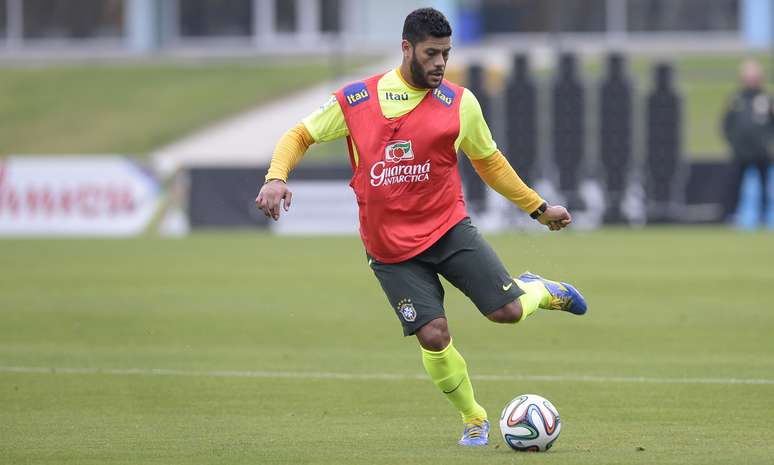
x: 373, y: 376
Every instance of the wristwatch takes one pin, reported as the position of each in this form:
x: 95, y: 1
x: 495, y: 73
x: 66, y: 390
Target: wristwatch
x: 539, y: 211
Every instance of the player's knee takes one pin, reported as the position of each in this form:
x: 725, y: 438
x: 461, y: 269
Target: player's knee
x: 434, y: 335
x: 508, y: 313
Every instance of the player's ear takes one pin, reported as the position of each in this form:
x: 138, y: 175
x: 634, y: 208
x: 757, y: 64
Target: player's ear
x: 405, y: 46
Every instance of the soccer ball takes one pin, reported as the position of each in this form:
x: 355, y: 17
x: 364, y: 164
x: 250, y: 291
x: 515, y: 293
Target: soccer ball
x: 530, y: 423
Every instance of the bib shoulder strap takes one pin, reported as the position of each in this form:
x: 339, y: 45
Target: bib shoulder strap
x: 357, y: 93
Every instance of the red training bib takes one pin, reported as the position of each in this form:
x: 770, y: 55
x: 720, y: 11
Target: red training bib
x: 406, y: 181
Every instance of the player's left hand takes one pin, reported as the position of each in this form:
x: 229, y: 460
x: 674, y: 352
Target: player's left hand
x: 556, y: 217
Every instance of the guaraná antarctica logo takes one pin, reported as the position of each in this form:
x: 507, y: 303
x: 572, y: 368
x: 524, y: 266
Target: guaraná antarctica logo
x: 406, y: 310
x: 398, y: 150
x: 395, y: 152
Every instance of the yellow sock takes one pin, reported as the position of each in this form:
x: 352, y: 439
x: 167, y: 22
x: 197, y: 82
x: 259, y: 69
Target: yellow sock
x: 535, y: 296
x: 449, y: 372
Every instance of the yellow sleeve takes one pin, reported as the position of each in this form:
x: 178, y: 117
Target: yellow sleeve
x: 474, y: 137
x: 500, y: 176
x: 327, y: 122
x: 289, y: 151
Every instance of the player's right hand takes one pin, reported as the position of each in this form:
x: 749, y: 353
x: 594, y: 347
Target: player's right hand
x: 270, y: 196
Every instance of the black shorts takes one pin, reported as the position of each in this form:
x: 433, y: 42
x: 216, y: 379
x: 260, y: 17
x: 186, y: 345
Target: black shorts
x: 461, y: 256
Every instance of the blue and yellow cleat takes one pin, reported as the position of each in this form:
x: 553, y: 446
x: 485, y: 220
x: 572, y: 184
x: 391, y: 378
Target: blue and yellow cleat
x: 476, y: 433
x: 563, y: 296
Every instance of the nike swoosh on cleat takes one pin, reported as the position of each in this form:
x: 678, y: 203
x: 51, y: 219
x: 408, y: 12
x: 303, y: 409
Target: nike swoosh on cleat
x: 455, y: 387
x: 506, y: 287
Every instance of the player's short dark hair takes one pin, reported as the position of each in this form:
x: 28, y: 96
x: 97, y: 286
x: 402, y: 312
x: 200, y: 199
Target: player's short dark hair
x: 423, y: 23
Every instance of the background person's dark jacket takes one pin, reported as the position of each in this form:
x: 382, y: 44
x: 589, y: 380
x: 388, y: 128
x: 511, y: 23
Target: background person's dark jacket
x: 749, y: 125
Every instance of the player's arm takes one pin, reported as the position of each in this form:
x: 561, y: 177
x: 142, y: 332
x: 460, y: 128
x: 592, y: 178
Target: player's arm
x: 290, y: 149
x: 500, y: 176
x: 325, y: 124
x: 493, y: 168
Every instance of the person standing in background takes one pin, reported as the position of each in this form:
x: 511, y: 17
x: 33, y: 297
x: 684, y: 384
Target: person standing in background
x: 748, y: 126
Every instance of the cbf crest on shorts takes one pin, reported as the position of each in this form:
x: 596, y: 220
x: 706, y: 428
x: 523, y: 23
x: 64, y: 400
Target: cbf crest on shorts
x: 406, y: 310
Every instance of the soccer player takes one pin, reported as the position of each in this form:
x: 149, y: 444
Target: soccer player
x: 403, y: 130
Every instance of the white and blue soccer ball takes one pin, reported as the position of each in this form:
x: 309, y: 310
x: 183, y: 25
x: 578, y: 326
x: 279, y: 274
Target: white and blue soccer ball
x: 530, y: 423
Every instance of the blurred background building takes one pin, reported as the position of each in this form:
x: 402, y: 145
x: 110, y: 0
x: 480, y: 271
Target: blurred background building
x: 281, y: 26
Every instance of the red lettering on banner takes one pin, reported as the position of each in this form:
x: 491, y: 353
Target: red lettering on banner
x: 8, y: 199
x: 121, y: 200
x: 40, y: 200
x: 12, y: 202
x: 66, y: 202
x: 86, y: 200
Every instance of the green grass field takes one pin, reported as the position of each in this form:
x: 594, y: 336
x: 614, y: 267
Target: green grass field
x: 284, y: 351
x: 133, y: 108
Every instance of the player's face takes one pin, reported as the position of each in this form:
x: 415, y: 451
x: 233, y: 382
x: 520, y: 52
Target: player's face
x: 428, y: 61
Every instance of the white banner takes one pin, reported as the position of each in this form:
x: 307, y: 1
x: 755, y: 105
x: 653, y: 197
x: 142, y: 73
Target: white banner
x: 319, y: 207
x: 75, y: 196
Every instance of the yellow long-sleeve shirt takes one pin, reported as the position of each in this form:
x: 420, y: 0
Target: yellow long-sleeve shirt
x: 328, y: 123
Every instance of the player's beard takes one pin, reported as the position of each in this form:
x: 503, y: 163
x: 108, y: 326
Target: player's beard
x: 419, y: 75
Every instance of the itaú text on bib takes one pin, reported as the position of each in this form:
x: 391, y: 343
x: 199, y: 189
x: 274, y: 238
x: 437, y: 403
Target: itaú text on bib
x: 383, y: 175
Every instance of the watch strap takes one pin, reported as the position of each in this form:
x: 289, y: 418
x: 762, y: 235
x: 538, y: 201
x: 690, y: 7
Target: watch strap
x: 539, y: 211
